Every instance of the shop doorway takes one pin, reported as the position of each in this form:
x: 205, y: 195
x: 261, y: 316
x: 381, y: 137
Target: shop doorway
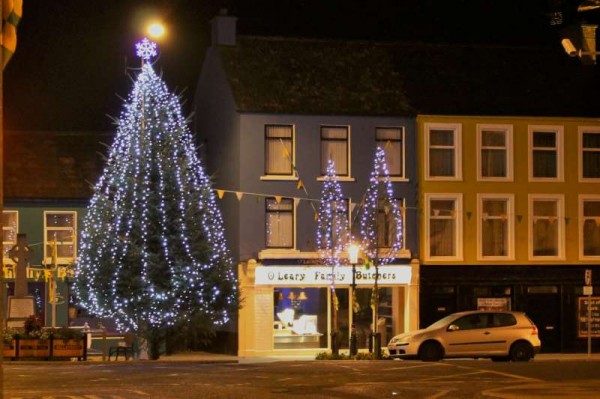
x: 543, y: 308
x: 343, y: 318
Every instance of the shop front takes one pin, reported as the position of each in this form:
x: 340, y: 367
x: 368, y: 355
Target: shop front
x: 288, y: 309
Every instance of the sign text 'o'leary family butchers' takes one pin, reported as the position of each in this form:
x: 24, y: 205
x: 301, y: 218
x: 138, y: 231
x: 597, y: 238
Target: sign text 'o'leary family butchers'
x: 323, y: 275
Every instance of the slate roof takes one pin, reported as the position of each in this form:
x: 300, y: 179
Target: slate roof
x: 309, y: 76
x: 52, y: 165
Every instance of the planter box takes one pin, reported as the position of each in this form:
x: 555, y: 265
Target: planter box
x: 9, y: 350
x: 33, y: 348
x: 68, y: 348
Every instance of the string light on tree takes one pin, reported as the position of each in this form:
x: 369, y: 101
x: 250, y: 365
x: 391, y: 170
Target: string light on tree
x: 153, y: 250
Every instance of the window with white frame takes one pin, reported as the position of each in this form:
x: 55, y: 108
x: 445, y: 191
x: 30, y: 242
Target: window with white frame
x: 546, y: 226
x: 545, y: 152
x: 10, y: 228
x: 391, y: 140
x: 494, y: 152
x: 335, y: 146
x: 444, y: 226
x: 443, y: 151
x: 589, y: 140
x: 589, y: 211
x: 496, y: 226
x: 279, y: 222
x: 279, y: 150
x: 387, y: 224
x: 60, y: 229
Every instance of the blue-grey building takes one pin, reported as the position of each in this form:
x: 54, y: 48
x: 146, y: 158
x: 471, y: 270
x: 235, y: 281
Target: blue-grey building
x: 269, y: 113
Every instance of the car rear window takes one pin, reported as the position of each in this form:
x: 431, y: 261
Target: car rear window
x: 503, y: 320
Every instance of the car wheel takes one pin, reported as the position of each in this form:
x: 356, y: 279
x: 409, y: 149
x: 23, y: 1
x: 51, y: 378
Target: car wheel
x: 521, y: 352
x: 431, y: 352
x: 500, y: 358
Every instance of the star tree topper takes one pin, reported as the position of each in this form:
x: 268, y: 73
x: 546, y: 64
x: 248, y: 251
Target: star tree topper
x: 146, y: 49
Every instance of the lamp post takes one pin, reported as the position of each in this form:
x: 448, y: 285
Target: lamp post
x: 353, y: 258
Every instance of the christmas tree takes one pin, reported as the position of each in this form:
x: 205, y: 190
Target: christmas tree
x: 153, y: 250
x: 332, y: 234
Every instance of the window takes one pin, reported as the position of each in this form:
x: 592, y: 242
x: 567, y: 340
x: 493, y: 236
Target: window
x: 334, y: 146
x: 280, y: 222
x: 472, y: 322
x: 444, y: 226
x: 496, y: 226
x: 546, y: 226
x: 589, y: 211
x: 503, y: 319
x: 589, y: 143
x: 391, y: 139
x: 545, y: 153
x: 495, y: 152
x: 10, y: 228
x: 279, y: 150
x: 442, y: 151
x: 387, y: 224
x: 61, y: 230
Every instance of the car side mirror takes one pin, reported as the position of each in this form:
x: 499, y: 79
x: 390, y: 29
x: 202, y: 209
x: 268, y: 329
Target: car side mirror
x: 453, y: 327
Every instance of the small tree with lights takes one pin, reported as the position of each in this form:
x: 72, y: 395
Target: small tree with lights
x: 332, y: 235
x: 153, y: 251
x: 380, y: 224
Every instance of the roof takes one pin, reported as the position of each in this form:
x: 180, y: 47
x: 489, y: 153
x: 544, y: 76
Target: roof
x: 303, y: 76
x: 52, y: 165
x: 309, y: 76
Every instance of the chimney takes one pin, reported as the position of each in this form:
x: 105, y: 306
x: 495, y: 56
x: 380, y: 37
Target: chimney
x: 589, y: 44
x: 223, y: 29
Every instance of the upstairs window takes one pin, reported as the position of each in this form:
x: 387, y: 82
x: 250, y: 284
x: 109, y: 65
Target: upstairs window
x: 546, y: 226
x: 496, y: 226
x: 545, y: 153
x: 60, y: 229
x: 443, y: 226
x: 10, y: 223
x: 589, y: 210
x: 387, y: 224
x: 590, y: 153
x: 335, y: 146
x: 279, y: 150
x: 443, y: 151
x: 495, y: 152
x: 279, y: 222
x: 391, y: 140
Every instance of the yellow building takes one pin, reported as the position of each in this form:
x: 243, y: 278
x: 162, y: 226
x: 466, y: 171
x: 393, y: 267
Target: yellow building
x: 510, y: 217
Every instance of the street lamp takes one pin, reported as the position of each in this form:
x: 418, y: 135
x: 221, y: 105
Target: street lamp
x: 156, y: 30
x: 353, y: 250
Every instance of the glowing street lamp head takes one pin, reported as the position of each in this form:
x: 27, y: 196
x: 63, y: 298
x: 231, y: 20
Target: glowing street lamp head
x: 353, y: 250
x: 156, y: 30
x: 146, y: 49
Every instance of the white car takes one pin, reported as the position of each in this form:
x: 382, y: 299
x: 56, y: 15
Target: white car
x: 499, y: 335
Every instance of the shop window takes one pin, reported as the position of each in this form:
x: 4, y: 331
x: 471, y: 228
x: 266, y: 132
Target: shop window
x: 61, y: 230
x: 494, y: 152
x: 300, y: 318
x: 391, y: 140
x: 280, y: 222
x: 546, y: 226
x: 335, y: 146
x: 279, y: 150
x: 10, y: 228
x: 589, y: 210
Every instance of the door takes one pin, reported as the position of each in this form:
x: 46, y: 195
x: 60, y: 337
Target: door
x: 472, y: 335
x: 543, y: 308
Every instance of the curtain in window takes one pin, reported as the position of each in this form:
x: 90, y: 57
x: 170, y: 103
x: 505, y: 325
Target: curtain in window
x: 545, y: 228
x: 334, y: 146
x: 493, y: 153
x: 494, y: 228
x: 280, y: 223
x: 442, y: 230
x: 591, y: 228
x: 545, y: 158
x: 441, y: 153
x: 9, y: 231
x: 591, y: 155
x: 390, y: 140
x: 278, y: 150
x: 386, y: 224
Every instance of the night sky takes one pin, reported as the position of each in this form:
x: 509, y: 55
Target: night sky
x: 75, y: 58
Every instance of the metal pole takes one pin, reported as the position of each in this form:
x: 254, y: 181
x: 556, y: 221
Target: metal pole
x: 353, y: 343
x: 589, y: 327
x: 2, y: 315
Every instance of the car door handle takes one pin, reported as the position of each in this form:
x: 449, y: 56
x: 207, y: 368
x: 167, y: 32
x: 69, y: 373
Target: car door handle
x: 487, y: 333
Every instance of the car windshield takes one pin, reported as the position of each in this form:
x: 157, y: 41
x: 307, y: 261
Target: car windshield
x: 442, y: 322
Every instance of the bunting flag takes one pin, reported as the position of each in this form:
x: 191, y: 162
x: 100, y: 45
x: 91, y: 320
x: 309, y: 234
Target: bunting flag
x: 239, y: 195
x: 11, y: 15
x: 220, y: 193
x: 299, y: 185
x: 278, y: 198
